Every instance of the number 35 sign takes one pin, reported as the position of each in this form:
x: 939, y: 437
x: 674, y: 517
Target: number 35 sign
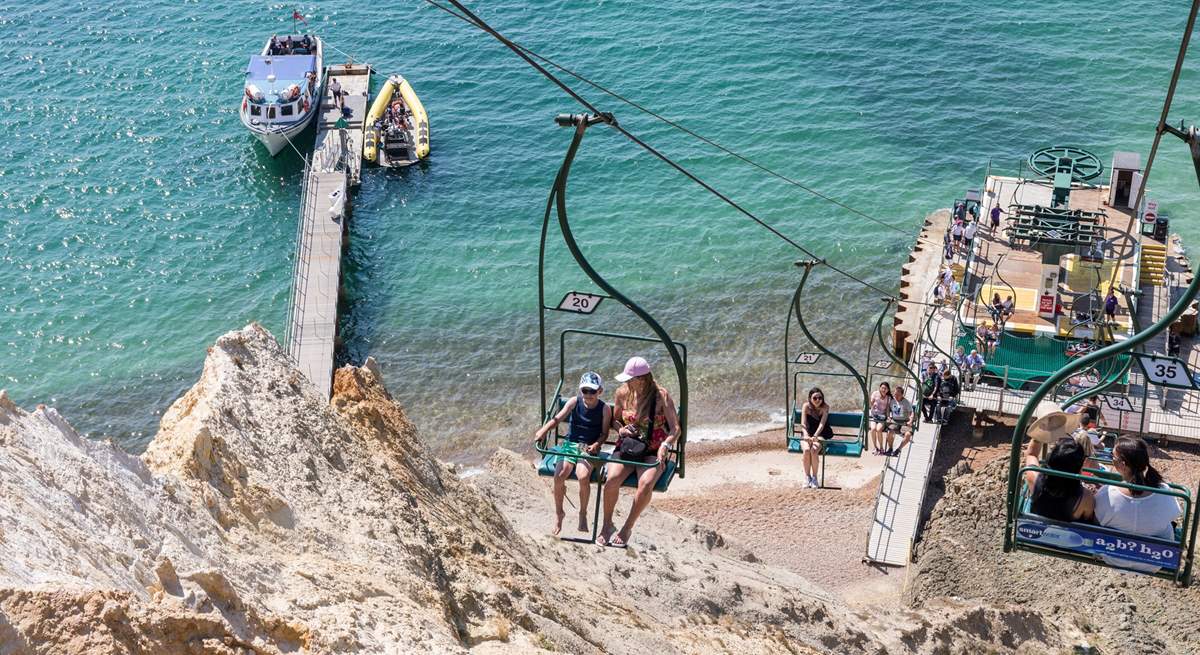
x: 1166, y: 371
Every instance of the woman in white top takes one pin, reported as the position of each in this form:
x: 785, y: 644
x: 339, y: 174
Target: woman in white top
x: 1144, y: 513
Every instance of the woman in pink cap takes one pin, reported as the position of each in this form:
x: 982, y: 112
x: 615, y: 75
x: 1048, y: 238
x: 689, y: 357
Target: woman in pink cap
x: 636, y: 401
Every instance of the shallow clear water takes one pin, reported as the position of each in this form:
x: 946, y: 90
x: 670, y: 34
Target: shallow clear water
x: 139, y: 220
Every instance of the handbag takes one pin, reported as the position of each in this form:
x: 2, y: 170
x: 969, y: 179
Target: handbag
x: 636, y: 447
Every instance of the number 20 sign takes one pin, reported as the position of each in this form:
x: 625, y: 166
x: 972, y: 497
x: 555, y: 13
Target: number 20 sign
x: 580, y: 303
x: 1166, y: 371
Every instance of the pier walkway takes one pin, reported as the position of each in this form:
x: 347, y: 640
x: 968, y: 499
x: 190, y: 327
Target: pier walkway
x: 333, y: 167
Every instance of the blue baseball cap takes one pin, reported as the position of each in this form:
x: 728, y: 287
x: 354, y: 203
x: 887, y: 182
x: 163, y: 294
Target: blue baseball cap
x: 590, y: 380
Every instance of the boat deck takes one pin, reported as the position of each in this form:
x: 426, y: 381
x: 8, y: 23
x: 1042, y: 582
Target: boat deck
x: 332, y: 170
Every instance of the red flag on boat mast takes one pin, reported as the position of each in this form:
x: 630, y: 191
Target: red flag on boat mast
x: 297, y: 16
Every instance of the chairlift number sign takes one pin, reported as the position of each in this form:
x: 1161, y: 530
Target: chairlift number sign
x: 1118, y: 403
x: 1166, y: 371
x: 580, y: 303
x: 808, y: 358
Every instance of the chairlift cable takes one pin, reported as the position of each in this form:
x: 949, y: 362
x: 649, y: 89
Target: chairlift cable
x: 650, y: 112
x: 471, y: 18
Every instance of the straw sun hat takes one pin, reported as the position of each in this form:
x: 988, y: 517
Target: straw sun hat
x: 1052, y: 427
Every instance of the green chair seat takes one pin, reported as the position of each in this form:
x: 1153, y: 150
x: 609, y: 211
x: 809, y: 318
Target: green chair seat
x: 839, y: 448
x: 550, y: 462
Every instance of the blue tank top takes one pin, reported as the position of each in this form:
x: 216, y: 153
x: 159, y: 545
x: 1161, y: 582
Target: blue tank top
x: 586, y: 423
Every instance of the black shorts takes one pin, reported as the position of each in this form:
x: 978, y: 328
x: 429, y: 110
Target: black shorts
x: 958, y: 237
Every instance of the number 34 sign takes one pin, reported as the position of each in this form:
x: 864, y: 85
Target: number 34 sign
x: 1166, y: 371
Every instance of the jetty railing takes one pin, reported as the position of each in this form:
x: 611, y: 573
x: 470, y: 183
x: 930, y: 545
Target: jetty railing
x: 294, y: 331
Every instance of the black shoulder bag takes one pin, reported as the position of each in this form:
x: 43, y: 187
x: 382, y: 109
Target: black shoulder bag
x: 636, y: 447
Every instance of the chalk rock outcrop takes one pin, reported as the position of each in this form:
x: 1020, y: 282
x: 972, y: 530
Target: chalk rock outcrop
x: 266, y: 519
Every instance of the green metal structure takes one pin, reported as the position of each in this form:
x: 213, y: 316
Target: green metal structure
x: 852, y: 440
x: 1089, y: 543
x: 550, y: 404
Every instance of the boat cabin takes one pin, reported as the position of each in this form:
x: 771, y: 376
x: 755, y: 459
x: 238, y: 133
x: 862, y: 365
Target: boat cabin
x: 281, y: 89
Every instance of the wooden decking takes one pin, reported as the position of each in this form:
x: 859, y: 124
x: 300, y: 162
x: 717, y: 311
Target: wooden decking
x: 1174, y: 414
x: 332, y: 169
x: 1018, y: 271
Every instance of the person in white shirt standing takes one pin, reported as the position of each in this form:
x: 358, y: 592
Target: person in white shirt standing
x: 969, y: 237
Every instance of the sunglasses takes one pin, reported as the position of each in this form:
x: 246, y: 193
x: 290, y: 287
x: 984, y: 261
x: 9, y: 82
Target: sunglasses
x: 589, y: 392
x: 818, y: 397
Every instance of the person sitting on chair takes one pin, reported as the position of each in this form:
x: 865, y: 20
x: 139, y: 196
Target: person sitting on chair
x: 645, y: 413
x: 900, y: 420
x: 974, y: 366
x: 1057, y: 498
x: 947, y: 398
x: 1007, y: 309
x: 929, y: 389
x: 881, y: 403
x: 813, y: 427
x: 1136, y: 512
x: 590, y: 421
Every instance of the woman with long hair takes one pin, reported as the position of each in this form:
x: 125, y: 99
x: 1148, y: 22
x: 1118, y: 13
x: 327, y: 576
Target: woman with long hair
x: 814, y: 426
x: 1054, y: 497
x: 1136, y: 512
x: 881, y: 405
x: 642, y: 411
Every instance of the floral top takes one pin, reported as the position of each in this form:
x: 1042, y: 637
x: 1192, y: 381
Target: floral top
x: 629, y: 417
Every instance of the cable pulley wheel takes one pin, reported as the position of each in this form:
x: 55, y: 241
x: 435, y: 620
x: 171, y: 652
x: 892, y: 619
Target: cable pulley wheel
x: 1084, y: 166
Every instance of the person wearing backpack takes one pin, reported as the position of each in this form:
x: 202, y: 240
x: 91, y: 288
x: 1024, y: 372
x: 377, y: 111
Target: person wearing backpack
x: 648, y: 428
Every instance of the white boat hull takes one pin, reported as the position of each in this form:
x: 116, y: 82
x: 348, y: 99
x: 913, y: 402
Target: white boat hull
x: 277, y: 139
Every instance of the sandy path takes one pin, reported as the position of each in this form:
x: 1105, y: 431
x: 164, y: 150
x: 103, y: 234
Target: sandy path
x: 752, y: 490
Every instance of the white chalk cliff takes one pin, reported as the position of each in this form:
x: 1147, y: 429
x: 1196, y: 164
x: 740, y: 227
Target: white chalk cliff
x: 265, y: 519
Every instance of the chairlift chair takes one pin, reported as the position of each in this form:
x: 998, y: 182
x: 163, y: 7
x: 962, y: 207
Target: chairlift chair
x: 587, y: 304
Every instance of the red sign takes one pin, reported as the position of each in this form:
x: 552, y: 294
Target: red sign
x: 1046, y: 304
x: 1151, y: 212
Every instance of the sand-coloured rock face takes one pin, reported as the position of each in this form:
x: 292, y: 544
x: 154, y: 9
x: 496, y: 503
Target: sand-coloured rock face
x: 1115, y: 612
x: 265, y: 519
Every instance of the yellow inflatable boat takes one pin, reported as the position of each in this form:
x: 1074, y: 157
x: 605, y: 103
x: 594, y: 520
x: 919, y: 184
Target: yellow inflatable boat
x: 396, y: 132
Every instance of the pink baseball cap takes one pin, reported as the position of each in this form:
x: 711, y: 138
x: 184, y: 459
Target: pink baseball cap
x: 633, y: 368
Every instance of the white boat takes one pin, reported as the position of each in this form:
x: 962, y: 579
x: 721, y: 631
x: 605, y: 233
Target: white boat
x: 282, y: 91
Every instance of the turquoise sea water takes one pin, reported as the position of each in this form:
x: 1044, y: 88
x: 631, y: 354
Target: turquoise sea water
x: 139, y: 220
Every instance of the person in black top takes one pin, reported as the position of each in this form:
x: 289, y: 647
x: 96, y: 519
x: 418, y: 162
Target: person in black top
x: 1060, y: 499
x: 947, y: 396
x: 929, y: 388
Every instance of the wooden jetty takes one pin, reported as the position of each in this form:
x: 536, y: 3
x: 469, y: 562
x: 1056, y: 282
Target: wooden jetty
x: 330, y: 172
